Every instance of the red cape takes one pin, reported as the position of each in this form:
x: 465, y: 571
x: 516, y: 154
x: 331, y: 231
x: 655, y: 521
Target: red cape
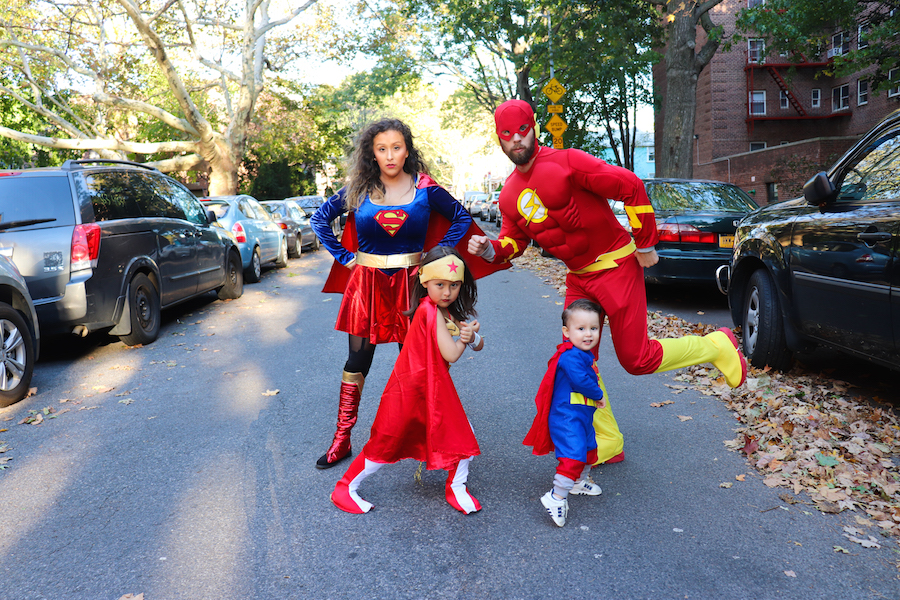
x: 539, y: 435
x: 420, y: 415
x: 437, y: 228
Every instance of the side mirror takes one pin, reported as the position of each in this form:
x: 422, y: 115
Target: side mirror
x: 211, y: 216
x: 819, y: 190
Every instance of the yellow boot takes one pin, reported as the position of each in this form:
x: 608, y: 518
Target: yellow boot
x: 719, y: 348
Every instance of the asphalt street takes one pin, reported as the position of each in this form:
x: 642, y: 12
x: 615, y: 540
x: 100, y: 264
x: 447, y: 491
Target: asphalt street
x: 184, y: 470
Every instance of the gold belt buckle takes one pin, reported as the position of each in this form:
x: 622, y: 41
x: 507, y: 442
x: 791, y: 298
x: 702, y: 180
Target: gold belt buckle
x: 388, y: 261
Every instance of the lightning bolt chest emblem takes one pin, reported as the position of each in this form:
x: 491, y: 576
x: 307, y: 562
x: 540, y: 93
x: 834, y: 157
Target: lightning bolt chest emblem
x: 530, y: 207
x: 391, y: 220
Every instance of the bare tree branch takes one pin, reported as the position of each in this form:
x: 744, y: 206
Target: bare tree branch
x: 98, y: 144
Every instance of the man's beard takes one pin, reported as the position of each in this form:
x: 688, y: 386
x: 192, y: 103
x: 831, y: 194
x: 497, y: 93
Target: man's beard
x: 524, y: 157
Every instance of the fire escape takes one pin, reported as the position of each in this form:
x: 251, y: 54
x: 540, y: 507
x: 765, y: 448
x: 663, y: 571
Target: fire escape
x: 774, y: 69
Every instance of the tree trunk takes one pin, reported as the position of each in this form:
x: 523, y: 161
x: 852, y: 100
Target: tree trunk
x: 680, y: 103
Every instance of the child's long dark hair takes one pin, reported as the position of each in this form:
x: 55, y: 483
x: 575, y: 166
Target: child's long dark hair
x: 464, y: 306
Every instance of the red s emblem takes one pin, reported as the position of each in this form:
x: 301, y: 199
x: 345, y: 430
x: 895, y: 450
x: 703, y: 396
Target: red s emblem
x: 391, y: 220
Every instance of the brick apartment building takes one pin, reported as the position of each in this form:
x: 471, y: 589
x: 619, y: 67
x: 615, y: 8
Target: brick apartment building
x: 768, y: 129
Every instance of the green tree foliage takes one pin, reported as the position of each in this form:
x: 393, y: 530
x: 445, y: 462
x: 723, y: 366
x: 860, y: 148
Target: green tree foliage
x: 803, y: 29
x: 501, y: 50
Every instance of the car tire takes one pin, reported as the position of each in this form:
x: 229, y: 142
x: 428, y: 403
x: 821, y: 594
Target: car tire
x: 234, y: 279
x: 296, y: 247
x: 253, y: 273
x: 281, y: 261
x: 764, y: 340
x: 18, y: 356
x: 144, y: 311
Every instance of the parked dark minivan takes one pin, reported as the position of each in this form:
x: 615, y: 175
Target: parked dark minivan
x: 105, y: 245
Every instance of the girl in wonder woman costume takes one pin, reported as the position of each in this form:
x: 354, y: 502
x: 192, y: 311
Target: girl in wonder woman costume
x: 420, y: 415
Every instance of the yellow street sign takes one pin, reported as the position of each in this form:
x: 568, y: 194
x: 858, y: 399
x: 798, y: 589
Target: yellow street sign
x: 554, y: 90
x: 556, y: 126
x: 558, y: 142
x: 554, y: 108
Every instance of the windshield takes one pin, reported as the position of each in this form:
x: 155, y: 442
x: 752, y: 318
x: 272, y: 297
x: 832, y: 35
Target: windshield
x: 698, y: 196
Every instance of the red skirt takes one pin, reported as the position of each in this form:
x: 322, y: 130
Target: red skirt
x: 374, y: 303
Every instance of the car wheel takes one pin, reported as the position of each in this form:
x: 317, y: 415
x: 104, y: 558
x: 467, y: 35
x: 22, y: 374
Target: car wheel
x: 316, y: 243
x: 234, y: 279
x: 296, y: 247
x: 763, y: 328
x: 144, y: 307
x: 253, y: 273
x: 17, y: 355
x: 281, y: 261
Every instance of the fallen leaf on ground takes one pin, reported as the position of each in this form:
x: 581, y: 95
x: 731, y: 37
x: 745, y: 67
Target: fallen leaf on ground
x: 270, y: 392
x: 725, y: 484
x: 790, y: 573
x: 663, y: 403
x: 683, y: 418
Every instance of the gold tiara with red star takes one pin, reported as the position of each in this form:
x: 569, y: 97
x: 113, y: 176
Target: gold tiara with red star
x: 448, y: 267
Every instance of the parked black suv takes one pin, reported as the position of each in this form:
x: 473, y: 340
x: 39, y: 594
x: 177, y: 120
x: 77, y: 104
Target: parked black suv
x: 107, y: 244
x: 824, y: 269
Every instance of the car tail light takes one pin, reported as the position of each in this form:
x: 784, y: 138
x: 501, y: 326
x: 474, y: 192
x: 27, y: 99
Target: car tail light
x: 282, y: 225
x: 238, y: 230
x: 685, y: 234
x: 85, y: 245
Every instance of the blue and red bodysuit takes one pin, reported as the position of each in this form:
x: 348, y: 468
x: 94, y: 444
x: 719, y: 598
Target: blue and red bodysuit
x: 385, y: 242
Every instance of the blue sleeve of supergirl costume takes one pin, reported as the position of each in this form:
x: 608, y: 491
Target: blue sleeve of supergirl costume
x: 321, y: 226
x: 577, y: 366
x: 442, y: 202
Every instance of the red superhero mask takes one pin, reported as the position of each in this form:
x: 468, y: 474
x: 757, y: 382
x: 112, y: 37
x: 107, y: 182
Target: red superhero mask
x: 512, y: 117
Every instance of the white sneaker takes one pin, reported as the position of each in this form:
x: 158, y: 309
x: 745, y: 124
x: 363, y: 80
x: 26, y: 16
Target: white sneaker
x: 586, y: 487
x: 558, y: 509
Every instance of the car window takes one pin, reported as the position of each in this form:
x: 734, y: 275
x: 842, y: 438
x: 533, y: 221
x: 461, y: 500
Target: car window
x: 183, y: 199
x: 246, y: 208
x: 113, y: 194
x: 56, y: 201
x: 261, y: 213
x: 152, y: 200
x: 273, y: 208
x: 295, y: 212
x: 220, y: 209
x: 697, y: 196
x: 876, y: 176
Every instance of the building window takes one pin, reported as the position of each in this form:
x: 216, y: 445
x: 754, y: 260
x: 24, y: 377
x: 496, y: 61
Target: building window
x: 862, y: 92
x: 651, y: 154
x: 755, y: 50
x: 894, y: 75
x: 816, y: 98
x: 758, y: 103
x: 752, y: 3
x: 783, y: 99
x: 840, y: 98
x: 754, y: 146
x: 840, y: 44
x: 862, y: 36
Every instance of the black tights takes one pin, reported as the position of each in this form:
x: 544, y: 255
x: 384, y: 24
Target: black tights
x: 362, y: 351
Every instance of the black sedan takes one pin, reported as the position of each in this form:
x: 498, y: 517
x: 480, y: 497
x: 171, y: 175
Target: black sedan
x: 696, y: 221
x: 295, y: 223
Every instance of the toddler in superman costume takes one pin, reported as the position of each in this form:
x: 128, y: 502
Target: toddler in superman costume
x: 420, y: 415
x: 569, y: 394
x: 559, y: 199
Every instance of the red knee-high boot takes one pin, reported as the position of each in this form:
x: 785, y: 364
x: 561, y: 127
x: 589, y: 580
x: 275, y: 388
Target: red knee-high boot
x: 348, y: 407
x: 457, y: 494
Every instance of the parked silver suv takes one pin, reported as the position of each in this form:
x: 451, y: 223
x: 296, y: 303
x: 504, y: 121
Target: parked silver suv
x: 105, y: 245
x: 20, y: 338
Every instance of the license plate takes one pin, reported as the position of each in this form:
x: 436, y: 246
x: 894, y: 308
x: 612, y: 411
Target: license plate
x: 726, y: 241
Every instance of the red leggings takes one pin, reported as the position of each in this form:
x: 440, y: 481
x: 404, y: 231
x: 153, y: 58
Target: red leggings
x: 571, y: 468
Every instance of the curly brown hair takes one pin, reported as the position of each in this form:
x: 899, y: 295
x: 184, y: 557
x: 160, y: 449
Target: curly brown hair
x: 365, y: 175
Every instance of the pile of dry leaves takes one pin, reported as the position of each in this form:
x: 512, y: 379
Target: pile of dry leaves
x: 802, y: 431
